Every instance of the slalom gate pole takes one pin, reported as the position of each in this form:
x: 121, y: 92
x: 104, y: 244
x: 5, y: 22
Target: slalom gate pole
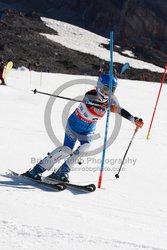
x: 117, y: 175
x: 162, y: 81
x: 108, y: 112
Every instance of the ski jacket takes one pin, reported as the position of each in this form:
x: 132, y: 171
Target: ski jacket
x: 83, y: 120
x: 88, y: 112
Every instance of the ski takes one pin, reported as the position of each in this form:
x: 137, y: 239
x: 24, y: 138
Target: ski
x: 55, y: 186
x: 84, y: 188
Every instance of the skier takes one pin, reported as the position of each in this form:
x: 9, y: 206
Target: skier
x: 1, y: 73
x: 80, y: 126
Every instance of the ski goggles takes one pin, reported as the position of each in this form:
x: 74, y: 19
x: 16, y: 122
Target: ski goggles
x: 104, y: 89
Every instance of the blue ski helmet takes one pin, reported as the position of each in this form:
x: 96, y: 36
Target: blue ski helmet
x: 103, y: 84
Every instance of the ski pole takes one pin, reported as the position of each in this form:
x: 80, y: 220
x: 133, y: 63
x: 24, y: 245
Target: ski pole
x: 117, y: 175
x: 93, y: 103
x: 58, y: 96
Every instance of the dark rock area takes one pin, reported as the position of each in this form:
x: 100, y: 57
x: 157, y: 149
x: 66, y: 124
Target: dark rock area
x: 21, y: 42
x: 137, y: 24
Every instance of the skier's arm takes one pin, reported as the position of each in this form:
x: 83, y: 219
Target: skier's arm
x: 121, y: 111
x: 134, y: 119
x: 124, y: 113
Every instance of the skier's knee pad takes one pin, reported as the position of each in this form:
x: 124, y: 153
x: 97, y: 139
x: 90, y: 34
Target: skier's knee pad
x: 80, y: 151
x: 82, y: 148
x: 55, y: 156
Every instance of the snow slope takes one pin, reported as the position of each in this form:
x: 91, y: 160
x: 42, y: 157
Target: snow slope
x: 129, y: 213
x: 85, y: 41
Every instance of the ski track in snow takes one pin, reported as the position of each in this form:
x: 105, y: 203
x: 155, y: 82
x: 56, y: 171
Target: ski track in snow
x: 58, y: 239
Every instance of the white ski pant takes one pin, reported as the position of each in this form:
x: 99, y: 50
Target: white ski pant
x: 62, y: 153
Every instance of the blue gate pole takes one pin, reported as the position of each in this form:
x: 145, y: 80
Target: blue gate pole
x: 108, y: 112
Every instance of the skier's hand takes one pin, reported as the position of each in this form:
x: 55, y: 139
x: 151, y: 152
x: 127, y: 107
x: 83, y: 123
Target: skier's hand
x: 138, y: 122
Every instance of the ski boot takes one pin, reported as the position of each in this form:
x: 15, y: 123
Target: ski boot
x: 35, y: 173
x: 61, y: 174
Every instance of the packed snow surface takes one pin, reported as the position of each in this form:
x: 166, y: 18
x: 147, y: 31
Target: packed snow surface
x: 129, y: 213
